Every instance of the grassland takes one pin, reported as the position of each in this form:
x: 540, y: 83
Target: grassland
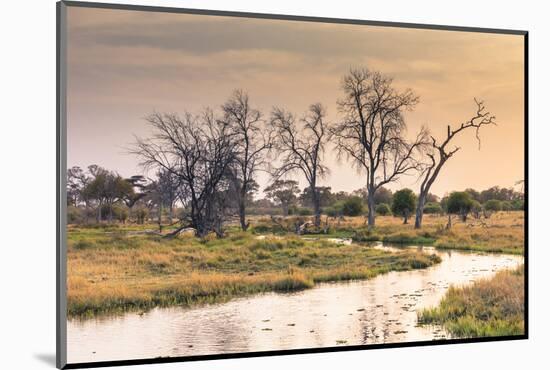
x: 118, y: 268
x: 115, y: 269
x: 487, y: 308
x: 502, y: 233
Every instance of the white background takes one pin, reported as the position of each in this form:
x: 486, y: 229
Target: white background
x: 27, y: 182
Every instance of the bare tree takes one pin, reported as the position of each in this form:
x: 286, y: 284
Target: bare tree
x: 372, y: 130
x: 252, y: 142
x: 301, y: 148
x: 440, y: 154
x: 198, y: 150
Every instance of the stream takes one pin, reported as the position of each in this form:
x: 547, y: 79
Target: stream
x: 380, y: 310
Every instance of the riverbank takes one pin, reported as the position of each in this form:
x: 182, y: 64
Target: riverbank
x: 503, y: 232
x: 113, y: 270
x: 116, y: 268
x: 493, y: 307
x: 360, y: 312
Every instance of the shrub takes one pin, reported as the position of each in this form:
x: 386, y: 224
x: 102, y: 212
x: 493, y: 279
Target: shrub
x: 432, y: 207
x: 335, y: 210
x: 476, y: 209
x: 300, y: 211
x: 507, y: 206
x: 141, y: 215
x: 383, y: 209
x: 352, y: 206
x: 493, y: 205
x: 74, y: 215
x: 518, y: 205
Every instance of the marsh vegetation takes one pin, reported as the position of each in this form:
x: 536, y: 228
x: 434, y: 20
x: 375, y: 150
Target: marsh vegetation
x: 487, y: 308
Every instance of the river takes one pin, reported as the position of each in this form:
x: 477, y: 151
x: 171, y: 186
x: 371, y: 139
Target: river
x: 380, y: 310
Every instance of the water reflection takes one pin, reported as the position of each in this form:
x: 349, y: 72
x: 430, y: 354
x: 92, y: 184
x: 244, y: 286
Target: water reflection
x: 381, y: 310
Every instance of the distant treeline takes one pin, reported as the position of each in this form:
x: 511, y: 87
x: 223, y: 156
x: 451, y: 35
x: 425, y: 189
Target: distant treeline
x: 97, y: 194
x: 206, y: 164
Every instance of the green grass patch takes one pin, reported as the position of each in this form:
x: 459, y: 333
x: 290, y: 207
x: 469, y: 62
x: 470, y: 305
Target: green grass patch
x: 487, y: 308
x: 114, y: 271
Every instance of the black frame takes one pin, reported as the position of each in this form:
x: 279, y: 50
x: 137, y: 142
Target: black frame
x: 61, y: 273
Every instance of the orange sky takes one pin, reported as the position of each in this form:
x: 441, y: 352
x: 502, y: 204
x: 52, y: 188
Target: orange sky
x: 122, y: 65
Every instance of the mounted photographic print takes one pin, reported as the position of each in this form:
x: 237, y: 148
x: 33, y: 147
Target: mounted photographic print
x: 235, y: 184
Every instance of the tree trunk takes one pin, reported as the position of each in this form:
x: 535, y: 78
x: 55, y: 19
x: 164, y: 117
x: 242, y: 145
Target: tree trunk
x: 420, y: 211
x: 160, y: 217
x: 170, y: 213
x: 242, y: 215
x: 316, y: 207
x: 86, y: 210
x: 98, y: 216
x: 371, y: 208
x: 110, y: 212
x: 285, y: 209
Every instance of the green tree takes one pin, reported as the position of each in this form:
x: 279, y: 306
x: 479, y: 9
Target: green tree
x: 494, y: 205
x: 433, y: 208
x: 507, y: 206
x: 353, y: 206
x: 518, y: 205
x: 325, y: 196
x: 477, y: 208
x: 460, y: 203
x: 283, y: 193
x: 404, y: 203
x: 476, y: 195
x: 106, y: 188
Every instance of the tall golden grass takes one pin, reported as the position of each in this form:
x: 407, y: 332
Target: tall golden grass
x: 489, y: 307
x: 116, y: 268
x: 109, y: 272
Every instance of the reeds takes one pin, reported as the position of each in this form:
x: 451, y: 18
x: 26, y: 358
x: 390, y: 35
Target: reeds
x: 489, y: 307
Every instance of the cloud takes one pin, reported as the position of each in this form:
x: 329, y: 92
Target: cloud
x: 123, y: 64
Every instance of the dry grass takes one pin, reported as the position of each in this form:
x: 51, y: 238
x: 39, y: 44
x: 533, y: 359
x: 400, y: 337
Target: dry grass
x: 492, y: 307
x: 116, y: 271
x: 115, y: 268
x: 503, y: 232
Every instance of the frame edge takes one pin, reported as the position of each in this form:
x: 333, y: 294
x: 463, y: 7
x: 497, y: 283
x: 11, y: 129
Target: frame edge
x: 61, y: 164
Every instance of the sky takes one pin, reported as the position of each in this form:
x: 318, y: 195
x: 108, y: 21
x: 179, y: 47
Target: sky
x: 124, y: 65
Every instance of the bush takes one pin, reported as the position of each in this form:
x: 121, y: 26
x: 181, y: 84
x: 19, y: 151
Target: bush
x: 476, y: 209
x: 433, y: 208
x: 141, y: 215
x: 518, y: 205
x: 300, y: 211
x: 352, y: 207
x: 383, y: 209
x: 75, y: 215
x: 120, y: 213
x: 335, y: 210
x: 404, y: 203
x: 493, y: 205
x: 507, y: 206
